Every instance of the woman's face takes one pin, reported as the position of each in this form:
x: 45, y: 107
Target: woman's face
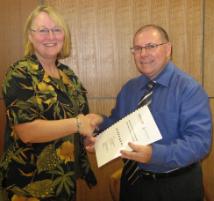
x: 46, y: 37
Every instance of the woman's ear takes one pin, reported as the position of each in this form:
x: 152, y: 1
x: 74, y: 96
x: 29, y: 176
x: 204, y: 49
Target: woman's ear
x: 30, y: 37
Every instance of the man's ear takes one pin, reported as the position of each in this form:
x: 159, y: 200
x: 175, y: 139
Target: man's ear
x: 169, y: 49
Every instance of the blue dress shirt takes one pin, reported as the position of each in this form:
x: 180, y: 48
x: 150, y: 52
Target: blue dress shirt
x: 181, y: 111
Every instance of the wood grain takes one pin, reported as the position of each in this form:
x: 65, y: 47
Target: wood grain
x: 102, y: 33
x: 208, y: 48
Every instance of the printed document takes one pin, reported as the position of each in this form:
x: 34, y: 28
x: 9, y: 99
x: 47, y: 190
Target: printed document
x: 138, y: 127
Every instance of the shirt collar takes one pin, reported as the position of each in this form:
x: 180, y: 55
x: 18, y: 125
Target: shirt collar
x: 164, y: 77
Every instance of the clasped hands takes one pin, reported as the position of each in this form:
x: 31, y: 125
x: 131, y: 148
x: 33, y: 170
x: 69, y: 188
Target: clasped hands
x: 87, y: 124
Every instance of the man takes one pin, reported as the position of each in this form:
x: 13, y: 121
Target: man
x: 169, y: 169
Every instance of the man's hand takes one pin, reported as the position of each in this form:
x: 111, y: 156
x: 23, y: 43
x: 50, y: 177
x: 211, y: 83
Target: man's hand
x: 140, y: 153
x: 89, y: 142
x: 87, y: 124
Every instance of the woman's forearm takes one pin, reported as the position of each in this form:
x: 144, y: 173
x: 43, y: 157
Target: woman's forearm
x: 39, y: 131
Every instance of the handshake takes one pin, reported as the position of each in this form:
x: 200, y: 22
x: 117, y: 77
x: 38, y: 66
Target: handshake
x: 87, y: 124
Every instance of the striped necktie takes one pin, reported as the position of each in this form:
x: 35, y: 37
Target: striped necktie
x: 131, y: 167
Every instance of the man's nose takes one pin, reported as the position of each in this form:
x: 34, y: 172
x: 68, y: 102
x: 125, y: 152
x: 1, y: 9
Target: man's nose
x: 143, y: 51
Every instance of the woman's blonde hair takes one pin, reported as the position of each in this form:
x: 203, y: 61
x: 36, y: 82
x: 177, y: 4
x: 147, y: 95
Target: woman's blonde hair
x: 58, y: 19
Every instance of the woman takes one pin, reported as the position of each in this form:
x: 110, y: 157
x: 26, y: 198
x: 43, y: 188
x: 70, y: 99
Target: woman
x: 46, y: 117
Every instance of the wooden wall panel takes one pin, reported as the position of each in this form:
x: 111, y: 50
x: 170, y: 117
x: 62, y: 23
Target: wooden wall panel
x: 99, y: 29
x: 208, y: 166
x: 101, y: 106
x: 186, y: 31
x: 208, y: 50
x: 12, y: 17
x: 102, y: 35
x: 209, y: 47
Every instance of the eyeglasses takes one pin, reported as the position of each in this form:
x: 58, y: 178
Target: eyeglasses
x: 147, y: 47
x: 46, y: 31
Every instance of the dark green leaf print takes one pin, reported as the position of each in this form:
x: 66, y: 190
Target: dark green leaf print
x: 48, y: 159
x: 40, y: 189
x: 63, y: 180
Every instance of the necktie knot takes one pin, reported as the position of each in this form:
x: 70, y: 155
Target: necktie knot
x: 146, y: 99
x: 150, y: 85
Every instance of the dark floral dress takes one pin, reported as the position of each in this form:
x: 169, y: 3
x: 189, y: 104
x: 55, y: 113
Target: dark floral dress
x: 43, y: 171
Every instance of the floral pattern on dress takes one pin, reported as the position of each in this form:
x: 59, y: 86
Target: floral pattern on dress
x: 43, y: 171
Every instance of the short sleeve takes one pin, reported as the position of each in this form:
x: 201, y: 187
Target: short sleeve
x: 18, y: 95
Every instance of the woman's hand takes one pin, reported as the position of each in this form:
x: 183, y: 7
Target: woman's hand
x: 87, y: 124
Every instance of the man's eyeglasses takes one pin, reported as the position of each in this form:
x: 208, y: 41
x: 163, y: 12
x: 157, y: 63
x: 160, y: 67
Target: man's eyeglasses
x: 46, y: 31
x: 147, y: 47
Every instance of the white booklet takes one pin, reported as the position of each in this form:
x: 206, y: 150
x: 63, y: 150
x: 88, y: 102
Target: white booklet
x: 138, y: 127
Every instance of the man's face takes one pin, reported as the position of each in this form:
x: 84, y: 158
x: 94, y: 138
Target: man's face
x: 151, y: 60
